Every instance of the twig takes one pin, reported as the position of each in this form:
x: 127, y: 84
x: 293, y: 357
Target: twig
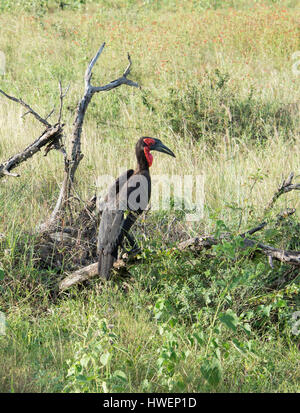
x: 253, y: 230
x: 286, y: 186
x: 61, y: 98
x: 29, y: 109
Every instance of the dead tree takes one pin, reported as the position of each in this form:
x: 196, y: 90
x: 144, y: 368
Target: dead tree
x: 51, y: 138
x: 72, y: 162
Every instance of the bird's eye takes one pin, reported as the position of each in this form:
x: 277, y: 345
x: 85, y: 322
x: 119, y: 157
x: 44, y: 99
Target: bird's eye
x: 149, y: 141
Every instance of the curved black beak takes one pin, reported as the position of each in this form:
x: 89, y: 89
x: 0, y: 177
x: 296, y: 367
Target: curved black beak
x: 160, y: 147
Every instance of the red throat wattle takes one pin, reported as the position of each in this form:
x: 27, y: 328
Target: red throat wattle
x: 149, y: 142
x: 148, y: 155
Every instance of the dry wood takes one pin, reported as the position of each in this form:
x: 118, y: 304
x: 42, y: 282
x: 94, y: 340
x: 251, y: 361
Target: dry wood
x: 86, y: 273
x: 29, y: 109
x: 71, y: 163
x: 79, y: 276
x: 285, y: 187
x: 288, y: 257
x: 195, y: 244
x: 50, y: 136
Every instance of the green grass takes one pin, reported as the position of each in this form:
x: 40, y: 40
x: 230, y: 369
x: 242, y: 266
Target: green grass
x: 218, y: 89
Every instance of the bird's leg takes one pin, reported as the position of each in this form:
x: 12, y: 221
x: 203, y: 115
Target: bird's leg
x: 134, y: 246
x: 127, y: 224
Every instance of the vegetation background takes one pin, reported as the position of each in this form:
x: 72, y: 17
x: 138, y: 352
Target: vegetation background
x: 219, y: 90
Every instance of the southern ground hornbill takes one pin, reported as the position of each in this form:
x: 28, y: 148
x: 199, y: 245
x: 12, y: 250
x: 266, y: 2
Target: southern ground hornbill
x: 131, y: 192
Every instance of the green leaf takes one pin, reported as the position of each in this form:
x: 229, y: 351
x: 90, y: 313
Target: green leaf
x: 104, y: 359
x: 212, y: 371
x: 240, y: 346
x: 85, y: 360
x: 1, y: 274
x: 200, y: 338
x: 230, y: 319
x: 247, y: 328
x: 280, y: 303
x: 120, y: 375
x: 265, y: 309
x: 172, y: 322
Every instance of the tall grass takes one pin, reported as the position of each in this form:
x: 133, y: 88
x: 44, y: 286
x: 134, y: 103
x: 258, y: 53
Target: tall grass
x: 218, y: 89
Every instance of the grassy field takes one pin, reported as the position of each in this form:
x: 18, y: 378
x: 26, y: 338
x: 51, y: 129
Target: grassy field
x: 217, y: 88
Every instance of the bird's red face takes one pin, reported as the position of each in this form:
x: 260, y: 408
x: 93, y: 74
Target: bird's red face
x: 152, y: 144
x: 148, y: 143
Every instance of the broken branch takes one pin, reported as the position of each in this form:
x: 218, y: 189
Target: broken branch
x: 48, y: 137
x: 29, y: 109
x: 86, y: 273
x: 285, y: 187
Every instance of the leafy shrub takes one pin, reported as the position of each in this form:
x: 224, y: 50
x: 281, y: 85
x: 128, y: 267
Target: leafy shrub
x: 214, y: 108
x: 40, y: 7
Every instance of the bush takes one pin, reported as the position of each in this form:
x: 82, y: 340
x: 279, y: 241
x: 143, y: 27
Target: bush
x: 215, y: 109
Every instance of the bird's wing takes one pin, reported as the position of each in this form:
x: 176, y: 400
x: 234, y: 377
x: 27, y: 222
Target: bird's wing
x: 112, y: 216
x: 109, y: 232
x: 135, y: 195
x: 115, y: 188
x: 111, y: 225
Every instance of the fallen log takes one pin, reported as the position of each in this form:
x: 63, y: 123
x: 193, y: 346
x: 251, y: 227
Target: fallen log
x: 86, y: 273
x: 287, y: 257
x: 195, y: 244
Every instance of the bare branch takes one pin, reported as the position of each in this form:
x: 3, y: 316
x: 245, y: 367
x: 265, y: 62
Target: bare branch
x: 115, y: 83
x: 196, y: 244
x: 287, y: 257
x: 88, y: 73
x: 253, y: 230
x: 286, y: 186
x: 29, y: 109
x: 61, y: 98
x: 48, y: 137
x: 284, y: 214
x: 52, y: 111
x: 79, y: 276
x: 127, y: 71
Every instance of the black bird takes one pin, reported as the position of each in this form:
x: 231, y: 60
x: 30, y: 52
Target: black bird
x: 131, y: 192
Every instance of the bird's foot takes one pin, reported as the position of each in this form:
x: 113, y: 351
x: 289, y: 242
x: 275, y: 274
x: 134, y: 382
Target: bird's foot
x: 134, y: 251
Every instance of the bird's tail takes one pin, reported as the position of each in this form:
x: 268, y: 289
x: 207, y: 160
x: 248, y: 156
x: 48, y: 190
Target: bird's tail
x: 105, y: 264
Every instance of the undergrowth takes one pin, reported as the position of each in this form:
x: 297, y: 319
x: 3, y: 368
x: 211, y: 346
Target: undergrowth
x: 218, y: 89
